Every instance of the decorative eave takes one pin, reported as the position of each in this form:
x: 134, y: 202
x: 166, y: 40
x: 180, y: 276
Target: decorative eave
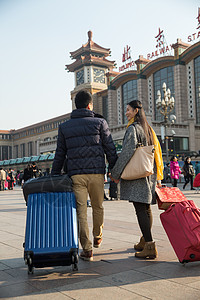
x: 112, y: 73
x: 90, y: 60
x: 124, y: 77
x: 180, y: 44
x: 141, y: 62
x: 190, y: 53
x: 179, y: 47
x: 90, y: 47
x: 157, y: 64
x: 5, y: 131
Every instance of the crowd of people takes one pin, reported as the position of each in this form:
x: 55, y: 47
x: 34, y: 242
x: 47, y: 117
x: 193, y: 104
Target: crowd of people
x: 10, y: 178
x: 173, y: 172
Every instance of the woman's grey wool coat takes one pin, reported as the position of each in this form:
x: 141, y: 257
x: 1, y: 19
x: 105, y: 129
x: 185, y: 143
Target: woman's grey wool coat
x: 138, y: 190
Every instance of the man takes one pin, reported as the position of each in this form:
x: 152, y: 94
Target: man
x: 34, y: 170
x: 84, y: 140
x: 2, y: 179
x: 167, y: 173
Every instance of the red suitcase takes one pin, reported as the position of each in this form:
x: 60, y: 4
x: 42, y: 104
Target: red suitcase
x: 196, y: 182
x: 181, y: 222
x: 165, y: 196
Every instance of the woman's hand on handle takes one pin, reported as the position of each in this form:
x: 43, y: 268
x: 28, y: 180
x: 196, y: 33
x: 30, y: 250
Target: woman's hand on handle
x: 113, y: 179
x: 159, y: 185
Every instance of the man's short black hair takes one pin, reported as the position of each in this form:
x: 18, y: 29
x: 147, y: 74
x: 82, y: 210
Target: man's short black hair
x: 82, y: 99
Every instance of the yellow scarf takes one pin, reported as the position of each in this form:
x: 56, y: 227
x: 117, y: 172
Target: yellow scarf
x: 157, y: 153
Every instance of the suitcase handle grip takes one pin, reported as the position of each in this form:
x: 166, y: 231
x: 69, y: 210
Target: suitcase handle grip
x: 196, y: 212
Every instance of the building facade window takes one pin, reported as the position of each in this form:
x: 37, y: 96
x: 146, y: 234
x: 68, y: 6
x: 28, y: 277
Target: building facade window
x: 129, y: 93
x: 16, y: 151
x: 176, y: 145
x: 5, y: 136
x: 22, y: 150
x: 197, y: 87
x: 30, y: 148
x: 164, y: 75
x: 105, y: 107
x: 5, y: 152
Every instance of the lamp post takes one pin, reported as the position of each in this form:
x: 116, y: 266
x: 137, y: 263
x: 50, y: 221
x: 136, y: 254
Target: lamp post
x: 165, y: 106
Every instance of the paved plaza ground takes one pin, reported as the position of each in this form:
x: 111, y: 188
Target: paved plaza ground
x: 115, y: 273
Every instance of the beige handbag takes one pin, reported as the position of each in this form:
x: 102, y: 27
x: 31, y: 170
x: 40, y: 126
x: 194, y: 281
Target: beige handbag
x: 141, y: 163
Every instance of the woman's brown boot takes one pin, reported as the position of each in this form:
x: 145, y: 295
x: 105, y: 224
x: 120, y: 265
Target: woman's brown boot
x: 140, y: 246
x: 149, y: 251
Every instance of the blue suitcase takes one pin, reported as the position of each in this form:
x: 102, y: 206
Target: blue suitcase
x: 51, y: 237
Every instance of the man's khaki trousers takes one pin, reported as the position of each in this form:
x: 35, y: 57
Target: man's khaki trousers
x: 92, y: 184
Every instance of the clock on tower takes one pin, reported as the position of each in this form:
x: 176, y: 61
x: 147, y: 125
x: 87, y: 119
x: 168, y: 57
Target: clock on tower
x: 99, y: 75
x: 80, y: 77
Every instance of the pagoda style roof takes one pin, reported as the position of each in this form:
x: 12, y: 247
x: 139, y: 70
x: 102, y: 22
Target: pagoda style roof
x: 90, y: 47
x: 90, y: 54
x: 90, y: 60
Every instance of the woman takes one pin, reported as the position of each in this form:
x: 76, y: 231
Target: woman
x: 10, y: 179
x: 174, y: 170
x: 141, y: 191
x: 188, y: 171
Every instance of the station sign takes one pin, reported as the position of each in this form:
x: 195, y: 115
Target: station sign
x: 162, y: 47
x: 196, y: 35
x: 127, y: 61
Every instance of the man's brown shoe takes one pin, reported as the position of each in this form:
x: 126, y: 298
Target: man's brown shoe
x: 97, y: 242
x: 86, y: 255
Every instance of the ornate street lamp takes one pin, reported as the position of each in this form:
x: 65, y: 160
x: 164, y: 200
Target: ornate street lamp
x: 165, y: 106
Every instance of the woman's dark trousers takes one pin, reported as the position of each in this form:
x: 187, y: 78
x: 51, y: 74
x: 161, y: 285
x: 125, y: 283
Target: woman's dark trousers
x: 175, y: 182
x: 145, y: 219
x: 188, y: 179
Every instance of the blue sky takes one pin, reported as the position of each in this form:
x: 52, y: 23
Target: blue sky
x: 37, y: 36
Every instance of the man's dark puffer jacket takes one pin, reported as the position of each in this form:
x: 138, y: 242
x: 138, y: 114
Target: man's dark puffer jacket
x: 84, y: 140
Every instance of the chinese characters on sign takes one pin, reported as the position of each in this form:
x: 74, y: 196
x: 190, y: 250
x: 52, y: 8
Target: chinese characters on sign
x: 162, y: 47
x: 195, y: 35
x: 126, y: 59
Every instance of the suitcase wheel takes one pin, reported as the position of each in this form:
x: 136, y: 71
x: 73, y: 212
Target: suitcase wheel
x: 75, y: 262
x: 30, y: 269
x: 75, y: 267
x: 184, y: 262
x: 29, y: 262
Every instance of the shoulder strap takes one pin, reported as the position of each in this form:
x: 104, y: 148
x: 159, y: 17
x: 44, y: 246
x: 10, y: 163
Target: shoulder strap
x: 139, y: 140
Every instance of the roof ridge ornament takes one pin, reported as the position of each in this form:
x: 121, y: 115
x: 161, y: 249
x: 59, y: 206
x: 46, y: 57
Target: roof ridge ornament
x: 89, y: 36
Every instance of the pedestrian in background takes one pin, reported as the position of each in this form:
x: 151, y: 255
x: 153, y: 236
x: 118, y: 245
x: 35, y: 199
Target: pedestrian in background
x: 174, y: 170
x: 27, y: 173
x: 188, y: 171
x: 141, y: 191
x: 10, y: 179
x: 34, y: 170
x: 167, y: 176
x: 2, y: 179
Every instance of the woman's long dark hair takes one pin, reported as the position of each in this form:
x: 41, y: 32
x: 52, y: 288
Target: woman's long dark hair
x: 142, y: 120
